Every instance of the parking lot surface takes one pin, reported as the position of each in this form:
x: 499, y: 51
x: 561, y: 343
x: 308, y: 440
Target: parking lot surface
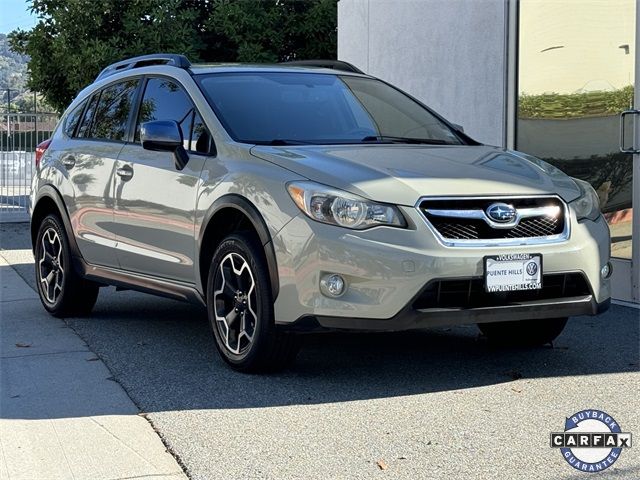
x: 431, y: 404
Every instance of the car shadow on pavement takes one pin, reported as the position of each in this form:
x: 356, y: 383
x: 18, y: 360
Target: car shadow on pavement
x: 162, y: 352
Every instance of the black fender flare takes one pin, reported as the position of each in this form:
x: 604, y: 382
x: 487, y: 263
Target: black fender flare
x: 50, y: 192
x: 240, y: 203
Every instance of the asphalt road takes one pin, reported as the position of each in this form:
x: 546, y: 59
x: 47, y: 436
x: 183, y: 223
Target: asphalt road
x: 433, y: 404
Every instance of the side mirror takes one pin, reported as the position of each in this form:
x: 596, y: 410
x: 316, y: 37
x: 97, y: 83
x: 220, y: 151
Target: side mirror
x: 164, y: 136
x: 460, y: 128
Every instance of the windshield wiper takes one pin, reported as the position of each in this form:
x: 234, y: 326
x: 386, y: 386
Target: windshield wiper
x: 278, y: 142
x: 283, y: 142
x: 392, y: 139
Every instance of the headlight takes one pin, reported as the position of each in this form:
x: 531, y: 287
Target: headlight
x: 337, y: 207
x: 588, y: 205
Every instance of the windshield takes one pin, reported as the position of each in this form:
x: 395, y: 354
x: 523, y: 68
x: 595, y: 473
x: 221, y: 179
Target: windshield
x: 308, y: 108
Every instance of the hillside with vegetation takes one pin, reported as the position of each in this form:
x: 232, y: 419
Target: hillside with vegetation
x: 13, y: 70
x: 13, y: 67
x: 14, y: 76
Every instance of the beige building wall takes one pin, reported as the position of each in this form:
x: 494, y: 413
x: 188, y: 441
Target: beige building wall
x: 573, y: 46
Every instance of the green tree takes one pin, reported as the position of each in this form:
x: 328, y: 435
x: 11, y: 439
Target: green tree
x: 75, y: 39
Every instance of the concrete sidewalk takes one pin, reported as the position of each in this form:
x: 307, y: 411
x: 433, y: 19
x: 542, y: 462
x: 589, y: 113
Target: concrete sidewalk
x: 61, y: 414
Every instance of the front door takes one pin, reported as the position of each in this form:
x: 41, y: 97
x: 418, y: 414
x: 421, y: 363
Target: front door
x: 154, y: 201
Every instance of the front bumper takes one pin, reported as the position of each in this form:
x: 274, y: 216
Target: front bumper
x: 387, y: 269
x: 413, y: 319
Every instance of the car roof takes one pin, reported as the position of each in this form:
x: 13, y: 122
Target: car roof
x: 207, y: 68
x: 173, y: 60
x: 171, y: 64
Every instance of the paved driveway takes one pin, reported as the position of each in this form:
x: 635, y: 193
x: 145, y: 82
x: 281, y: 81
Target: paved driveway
x: 433, y: 404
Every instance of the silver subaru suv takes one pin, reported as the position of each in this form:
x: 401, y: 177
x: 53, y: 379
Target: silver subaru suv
x: 304, y: 197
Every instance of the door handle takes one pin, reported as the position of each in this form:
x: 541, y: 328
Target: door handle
x: 69, y: 162
x: 125, y: 172
x: 632, y: 149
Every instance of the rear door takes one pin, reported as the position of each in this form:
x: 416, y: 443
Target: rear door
x: 154, y: 201
x: 90, y: 160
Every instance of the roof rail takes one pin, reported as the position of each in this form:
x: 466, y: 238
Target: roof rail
x: 172, y: 59
x: 333, y: 64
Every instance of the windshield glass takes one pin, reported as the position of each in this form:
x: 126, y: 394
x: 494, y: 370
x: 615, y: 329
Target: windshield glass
x: 310, y: 108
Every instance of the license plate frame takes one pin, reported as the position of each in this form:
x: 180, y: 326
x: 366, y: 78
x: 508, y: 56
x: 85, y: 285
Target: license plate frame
x: 529, y: 281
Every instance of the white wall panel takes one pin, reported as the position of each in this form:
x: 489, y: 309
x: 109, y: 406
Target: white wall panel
x: 448, y: 53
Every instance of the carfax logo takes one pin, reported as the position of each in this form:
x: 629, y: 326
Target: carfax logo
x: 592, y: 440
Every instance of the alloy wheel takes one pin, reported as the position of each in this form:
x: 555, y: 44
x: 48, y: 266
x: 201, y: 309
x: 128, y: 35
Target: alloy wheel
x: 50, y: 265
x: 234, y: 300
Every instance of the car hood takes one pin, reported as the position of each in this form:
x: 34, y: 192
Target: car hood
x: 401, y: 174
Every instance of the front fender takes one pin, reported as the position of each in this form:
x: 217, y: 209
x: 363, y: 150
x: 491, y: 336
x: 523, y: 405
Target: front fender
x: 244, y: 206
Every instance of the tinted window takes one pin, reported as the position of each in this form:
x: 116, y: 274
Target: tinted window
x: 72, y: 120
x: 262, y: 107
x: 112, y: 114
x: 85, y: 125
x: 200, y: 138
x: 165, y: 100
x: 395, y: 114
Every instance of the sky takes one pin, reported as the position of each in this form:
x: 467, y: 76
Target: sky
x: 15, y: 14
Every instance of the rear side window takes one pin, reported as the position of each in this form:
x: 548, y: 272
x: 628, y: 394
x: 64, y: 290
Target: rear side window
x: 111, y: 118
x: 85, y: 125
x: 73, y: 119
x: 166, y: 100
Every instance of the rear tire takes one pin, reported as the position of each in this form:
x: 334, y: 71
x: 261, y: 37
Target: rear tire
x: 240, y: 308
x: 62, y: 291
x: 523, y: 333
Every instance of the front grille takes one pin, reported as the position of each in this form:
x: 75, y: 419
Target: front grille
x: 455, y: 228
x: 470, y: 293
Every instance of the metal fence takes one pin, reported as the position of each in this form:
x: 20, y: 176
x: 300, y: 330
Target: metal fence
x: 20, y: 133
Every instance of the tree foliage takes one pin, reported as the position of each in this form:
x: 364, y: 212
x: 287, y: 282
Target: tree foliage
x: 75, y: 39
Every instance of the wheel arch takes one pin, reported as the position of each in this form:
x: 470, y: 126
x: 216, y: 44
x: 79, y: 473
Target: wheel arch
x: 49, y: 201
x: 227, y: 214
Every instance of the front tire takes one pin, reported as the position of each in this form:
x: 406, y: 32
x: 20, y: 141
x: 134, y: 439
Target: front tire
x: 523, y: 333
x: 240, y: 308
x: 62, y: 291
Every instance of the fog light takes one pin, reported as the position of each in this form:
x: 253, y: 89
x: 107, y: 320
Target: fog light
x: 332, y: 285
x: 606, y: 270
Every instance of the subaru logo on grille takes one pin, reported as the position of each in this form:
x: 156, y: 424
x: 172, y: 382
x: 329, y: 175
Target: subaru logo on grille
x: 501, y: 212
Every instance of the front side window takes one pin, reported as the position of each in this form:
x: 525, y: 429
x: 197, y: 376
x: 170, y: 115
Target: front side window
x: 200, y: 139
x: 112, y: 113
x: 293, y: 107
x: 165, y: 100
